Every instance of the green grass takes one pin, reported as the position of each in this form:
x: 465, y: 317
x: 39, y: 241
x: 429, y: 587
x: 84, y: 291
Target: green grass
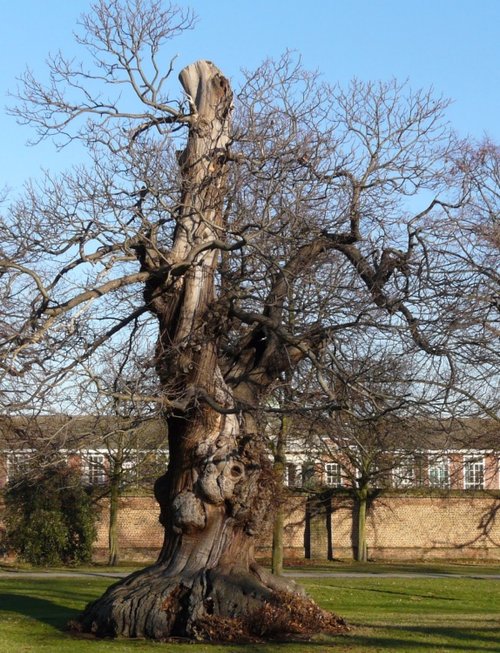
x: 386, y: 614
x: 458, y: 568
x: 425, y: 567
x: 127, y: 567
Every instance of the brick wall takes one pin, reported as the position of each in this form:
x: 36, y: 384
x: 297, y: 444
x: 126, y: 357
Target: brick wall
x: 404, y: 527
x: 139, y: 531
x: 398, y: 527
x: 408, y: 527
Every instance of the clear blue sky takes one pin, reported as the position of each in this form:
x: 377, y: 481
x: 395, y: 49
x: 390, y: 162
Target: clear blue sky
x: 452, y: 45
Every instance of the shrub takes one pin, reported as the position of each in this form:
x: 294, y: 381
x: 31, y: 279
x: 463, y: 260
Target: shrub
x: 50, y: 517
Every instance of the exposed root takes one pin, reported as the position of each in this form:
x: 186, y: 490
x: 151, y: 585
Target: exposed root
x: 212, y: 605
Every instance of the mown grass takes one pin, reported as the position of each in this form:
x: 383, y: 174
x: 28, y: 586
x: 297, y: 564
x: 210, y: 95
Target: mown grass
x: 457, y: 568
x: 415, y: 614
x: 386, y: 614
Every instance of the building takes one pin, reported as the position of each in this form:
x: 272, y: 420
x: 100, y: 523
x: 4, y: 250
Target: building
x: 446, y: 455
x: 441, y: 500
x: 95, y: 445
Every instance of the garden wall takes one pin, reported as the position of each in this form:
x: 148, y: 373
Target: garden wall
x: 399, y: 527
x: 139, y: 531
x: 408, y: 527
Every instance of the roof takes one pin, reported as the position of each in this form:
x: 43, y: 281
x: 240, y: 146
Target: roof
x: 306, y: 432
x: 396, y: 433
x: 54, y: 432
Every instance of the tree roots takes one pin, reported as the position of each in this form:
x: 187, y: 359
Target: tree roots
x: 211, y: 605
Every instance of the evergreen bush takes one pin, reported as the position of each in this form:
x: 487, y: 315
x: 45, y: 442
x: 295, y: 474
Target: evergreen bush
x: 50, y: 517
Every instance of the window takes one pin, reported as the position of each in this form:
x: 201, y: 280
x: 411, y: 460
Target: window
x: 439, y: 473
x: 474, y: 473
x: 333, y: 475
x: 403, y: 474
x: 94, y: 470
x: 308, y: 474
x: 130, y: 473
x: 128, y: 466
x: 18, y: 464
x: 293, y: 475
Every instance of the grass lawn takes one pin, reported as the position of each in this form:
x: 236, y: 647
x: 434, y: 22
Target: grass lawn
x: 386, y: 614
x: 457, y: 568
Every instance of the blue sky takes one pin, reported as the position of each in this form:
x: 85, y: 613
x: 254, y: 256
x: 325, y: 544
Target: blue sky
x: 451, y: 45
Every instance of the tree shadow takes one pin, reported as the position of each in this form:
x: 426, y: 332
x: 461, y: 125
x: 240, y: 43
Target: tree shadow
x: 318, y: 519
x: 325, y: 644
x: 43, y: 610
x: 467, y: 639
x: 469, y: 635
x: 407, y: 595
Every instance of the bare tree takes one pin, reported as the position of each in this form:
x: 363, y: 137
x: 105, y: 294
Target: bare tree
x: 130, y: 434
x: 394, y: 417
x: 362, y: 441
x: 122, y: 451
x: 369, y: 441
x: 292, y: 186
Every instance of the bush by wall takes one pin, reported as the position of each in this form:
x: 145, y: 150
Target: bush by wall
x: 50, y: 517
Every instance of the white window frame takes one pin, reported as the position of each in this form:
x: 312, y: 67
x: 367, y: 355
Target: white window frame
x: 403, y: 474
x: 333, y: 474
x: 440, y: 465
x: 297, y: 475
x: 94, y: 469
x: 130, y: 472
x: 18, y: 463
x: 474, y: 484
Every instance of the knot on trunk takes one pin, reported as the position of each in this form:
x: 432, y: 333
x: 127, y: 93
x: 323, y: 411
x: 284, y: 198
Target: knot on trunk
x: 188, y: 513
x: 218, y: 479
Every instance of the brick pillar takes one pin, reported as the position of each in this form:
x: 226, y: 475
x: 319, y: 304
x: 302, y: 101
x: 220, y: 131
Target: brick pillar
x: 317, y: 533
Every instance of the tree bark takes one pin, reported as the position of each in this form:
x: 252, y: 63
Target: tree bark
x: 277, y: 550
x: 218, y: 485
x: 361, y: 545
x: 114, y: 498
x: 279, y: 514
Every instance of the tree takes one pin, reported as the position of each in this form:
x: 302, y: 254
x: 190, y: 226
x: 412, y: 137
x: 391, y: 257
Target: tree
x: 279, y: 514
x: 378, y: 423
x: 132, y: 458
x: 390, y: 425
x: 290, y: 185
x: 126, y: 453
x: 132, y: 434
x: 119, y: 449
x: 371, y: 453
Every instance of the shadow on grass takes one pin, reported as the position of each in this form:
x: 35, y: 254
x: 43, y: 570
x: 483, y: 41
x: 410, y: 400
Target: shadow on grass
x: 429, y: 638
x: 471, y: 636
x: 42, y: 610
x: 407, y: 595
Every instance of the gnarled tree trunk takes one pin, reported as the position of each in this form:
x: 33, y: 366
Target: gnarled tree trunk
x: 217, y: 489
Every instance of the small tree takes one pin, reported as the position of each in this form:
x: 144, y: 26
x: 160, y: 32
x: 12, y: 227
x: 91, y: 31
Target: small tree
x: 130, y: 434
x: 50, y: 517
x: 279, y: 513
x: 369, y: 432
x: 131, y: 461
x: 367, y: 454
